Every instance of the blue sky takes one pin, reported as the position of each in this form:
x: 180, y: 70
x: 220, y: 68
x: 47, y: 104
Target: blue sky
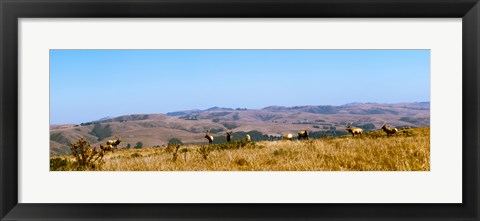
x: 87, y: 85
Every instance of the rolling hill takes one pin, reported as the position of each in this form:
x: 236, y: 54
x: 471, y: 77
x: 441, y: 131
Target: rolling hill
x: 189, y: 126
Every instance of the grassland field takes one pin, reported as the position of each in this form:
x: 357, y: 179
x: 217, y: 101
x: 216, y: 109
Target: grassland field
x: 408, y: 150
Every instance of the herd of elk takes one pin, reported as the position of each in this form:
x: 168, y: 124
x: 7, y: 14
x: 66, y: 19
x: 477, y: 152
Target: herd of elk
x: 303, y: 134
x: 229, y: 137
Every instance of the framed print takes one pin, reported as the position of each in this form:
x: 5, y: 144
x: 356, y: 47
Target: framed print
x: 308, y: 110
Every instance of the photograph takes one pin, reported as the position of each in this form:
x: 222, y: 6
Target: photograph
x: 319, y: 110
x: 239, y: 110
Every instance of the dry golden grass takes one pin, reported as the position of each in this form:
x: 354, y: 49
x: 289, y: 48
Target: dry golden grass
x: 408, y: 151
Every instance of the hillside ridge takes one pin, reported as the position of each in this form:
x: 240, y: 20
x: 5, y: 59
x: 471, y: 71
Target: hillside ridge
x: 189, y: 126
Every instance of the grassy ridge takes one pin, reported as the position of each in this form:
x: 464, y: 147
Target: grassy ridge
x: 408, y: 151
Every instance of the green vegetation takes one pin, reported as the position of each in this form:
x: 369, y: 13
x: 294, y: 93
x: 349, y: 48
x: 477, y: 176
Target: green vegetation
x: 230, y: 126
x: 58, y: 137
x: 328, y: 133
x: 189, y: 118
x: 259, y: 136
x: 236, y: 117
x: 368, y: 126
x: 175, y: 141
x: 416, y: 120
x: 101, y: 132
x: 240, y: 135
x: 147, y: 124
x: 216, y: 130
x: 62, y: 151
x: 138, y: 145
x: 266, y: 117
x: 217, y: 114
x: 59, y: 164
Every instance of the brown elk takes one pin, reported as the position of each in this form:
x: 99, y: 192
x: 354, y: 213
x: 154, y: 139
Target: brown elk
x: 354, y: 130
x: 288, y: 137
x: 389, y: 130
x: 303, y: 134
x: 114, y: 143
x: 247, y: 138
x: 209, y: 137
x: 229, y: 135
x: 107, y: 147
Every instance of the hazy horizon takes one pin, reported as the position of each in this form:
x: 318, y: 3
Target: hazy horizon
x: 113, y: 116
x: 87, y: 85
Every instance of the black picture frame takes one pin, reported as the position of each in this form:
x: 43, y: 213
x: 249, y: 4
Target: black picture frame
x: 12, y: 10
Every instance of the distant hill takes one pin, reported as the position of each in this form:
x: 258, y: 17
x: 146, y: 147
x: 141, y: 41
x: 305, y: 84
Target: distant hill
x: 189, y: 126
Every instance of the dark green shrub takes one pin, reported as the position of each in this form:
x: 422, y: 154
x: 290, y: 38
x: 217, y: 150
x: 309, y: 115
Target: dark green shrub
x: 62, y: 151
x: 236, y: 117
x: 368, y: 126
x: 59, y: 164
x: 230, y: 126
x: 375, y: 134
x: 175, y: 141
x: 138, y: 145
x: 58, y: 137
x: 101, y: 132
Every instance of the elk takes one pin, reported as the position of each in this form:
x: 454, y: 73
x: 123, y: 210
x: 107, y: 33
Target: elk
x: 389, y: 130
x: 288, y: 137
x: 303, y: 134
x: 229, y: 135
x: 354, y: 130
x: 107, y: 147
x: 247, y: 138
x: 114, y: 143
x: 209, y: 137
